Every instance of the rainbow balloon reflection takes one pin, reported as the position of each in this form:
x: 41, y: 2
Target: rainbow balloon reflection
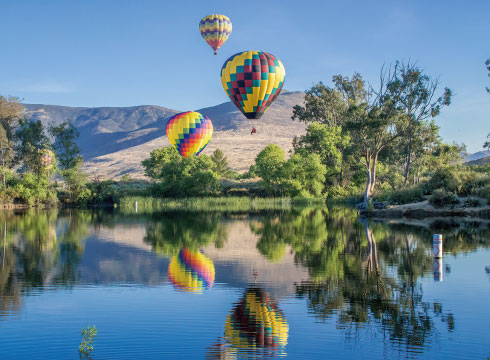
x: 191, y: 271
x: 256, y: 322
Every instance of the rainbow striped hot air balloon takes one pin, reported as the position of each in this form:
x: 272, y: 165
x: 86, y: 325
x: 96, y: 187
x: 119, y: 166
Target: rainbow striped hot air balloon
x: 46, y: 158
x: 256, y: 322
x: 191, y: 271
x: 215, y: 29
x: 189, y: 132
x: 252, y: 80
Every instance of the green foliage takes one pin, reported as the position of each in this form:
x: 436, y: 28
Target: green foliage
x: 153, y: 165
x: 484, y: 192
x: 402, y: 196
x: 326, y: 142
x: 30, y: 139
x: 87, y: 343
x: 441, y: 198
x: 446, y: 178
x: 76, y: 184
x: 302, y: 176
x: 205, y: 204
x: 33, y: 189
x: 486, y: 145
x: 67, y: 151
x: 181, y: 177
x: 221, y: 166
x: 268, y: 164
x: 487, y: 64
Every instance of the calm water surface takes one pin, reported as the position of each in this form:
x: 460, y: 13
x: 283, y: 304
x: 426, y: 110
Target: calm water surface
x: 302, y: 284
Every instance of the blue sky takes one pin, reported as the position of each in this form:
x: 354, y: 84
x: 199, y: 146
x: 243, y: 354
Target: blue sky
x: 122, y: 53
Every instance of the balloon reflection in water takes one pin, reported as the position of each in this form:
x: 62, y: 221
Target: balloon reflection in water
x: 257, y: 323
x: 191, y: 271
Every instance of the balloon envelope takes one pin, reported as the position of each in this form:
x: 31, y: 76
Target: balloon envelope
x: 191, y: 271
x: 189, y: 132
x: 257, y: 322
x: 215, y: 30
x: 46, y: 158
x: 252, y: 80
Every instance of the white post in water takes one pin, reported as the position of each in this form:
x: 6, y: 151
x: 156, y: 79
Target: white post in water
x: 437, y: 245
x: 136, y: 206
x: 437, y: 250
x: 438, y: 271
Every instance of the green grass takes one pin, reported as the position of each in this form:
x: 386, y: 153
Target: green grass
x: 225, y: 204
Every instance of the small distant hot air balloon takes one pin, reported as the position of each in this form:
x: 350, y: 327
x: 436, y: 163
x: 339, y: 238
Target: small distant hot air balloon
x: 215, y: 30
x: 191, y: 271
x: 189, y: 132
x: 257, y: 322
x: 46, y: 158
x: 252, y: 80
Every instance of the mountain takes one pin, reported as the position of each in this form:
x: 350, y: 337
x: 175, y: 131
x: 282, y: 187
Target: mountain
x: 114, y: 140
x: 480, y: 161
x: 477, y: 155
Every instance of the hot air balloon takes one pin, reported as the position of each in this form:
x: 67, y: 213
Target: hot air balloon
x: 189, y: 132
x: 215, y: 30
x: 191, y: 271
x: 46, y: 158
x: 252, y: 80
x: 256, y: 322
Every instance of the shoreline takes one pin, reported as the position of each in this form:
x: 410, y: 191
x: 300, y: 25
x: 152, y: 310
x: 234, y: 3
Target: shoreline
x: 424, y: 209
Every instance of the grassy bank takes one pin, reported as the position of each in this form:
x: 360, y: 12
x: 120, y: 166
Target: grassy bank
x: 226, y: 204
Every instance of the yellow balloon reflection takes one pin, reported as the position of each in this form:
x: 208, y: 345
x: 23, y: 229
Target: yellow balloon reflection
x: 256, y: 322
x: 191, y: 271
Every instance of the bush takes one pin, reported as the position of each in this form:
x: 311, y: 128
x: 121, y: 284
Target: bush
x: 484, y: 192
x: 402, y: 196
x: 446, y: 178
x: 441, y: 198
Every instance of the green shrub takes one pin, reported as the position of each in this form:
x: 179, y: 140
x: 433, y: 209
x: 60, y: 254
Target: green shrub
x: 441, y: 198
x: 402, y: 196
x: 446, y: 178
x: 484, y: 192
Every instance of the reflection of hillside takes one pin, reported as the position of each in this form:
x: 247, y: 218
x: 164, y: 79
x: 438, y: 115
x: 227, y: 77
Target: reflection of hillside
x: 242, y: 263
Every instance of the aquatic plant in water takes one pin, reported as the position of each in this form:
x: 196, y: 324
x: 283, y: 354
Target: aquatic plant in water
x: 86, y: 344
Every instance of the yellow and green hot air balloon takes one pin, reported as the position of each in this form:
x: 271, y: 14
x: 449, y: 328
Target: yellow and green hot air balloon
x: 189, y: 132
x: 215, y: 29
x: 256, y: 322
x: 252, y: 80
x: 191, y: 271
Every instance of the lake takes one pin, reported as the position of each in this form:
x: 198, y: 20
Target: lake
x: 306, y: 283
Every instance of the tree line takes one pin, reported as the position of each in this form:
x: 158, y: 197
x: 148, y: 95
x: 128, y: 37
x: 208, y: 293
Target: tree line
x: 32, y: 156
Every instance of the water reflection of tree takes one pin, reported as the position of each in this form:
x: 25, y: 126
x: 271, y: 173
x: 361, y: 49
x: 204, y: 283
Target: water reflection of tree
x: 168, y: 233
x: 35, y: 255
x: 364, y: 273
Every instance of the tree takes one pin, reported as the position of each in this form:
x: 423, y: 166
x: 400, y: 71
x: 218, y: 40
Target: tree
x: 158, y: 157
x: 10, y: 113
x: 31, y: 139
x: 487, y: 63
x: 486, y: 145
x: 303, y: 176
x: 67, y: 151
x: 414, y: 93
x: 327, y: 142
x: 268, y: 165
x: 221, y: 165
x: 178, y: 176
